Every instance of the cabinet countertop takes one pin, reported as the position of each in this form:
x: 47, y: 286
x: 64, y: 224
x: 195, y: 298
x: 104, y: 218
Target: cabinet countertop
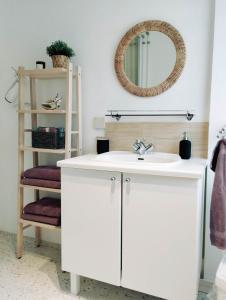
x: 192, y: 168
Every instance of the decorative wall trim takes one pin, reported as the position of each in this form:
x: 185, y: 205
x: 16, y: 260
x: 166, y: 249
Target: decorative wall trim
x: 176, y: 38
x: 165, y: 135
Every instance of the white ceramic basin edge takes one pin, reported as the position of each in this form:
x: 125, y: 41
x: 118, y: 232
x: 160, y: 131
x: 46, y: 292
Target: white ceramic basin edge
x: 154, y: 158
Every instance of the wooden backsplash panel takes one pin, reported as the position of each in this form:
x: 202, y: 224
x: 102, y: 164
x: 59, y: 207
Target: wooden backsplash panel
x: 165, y: 136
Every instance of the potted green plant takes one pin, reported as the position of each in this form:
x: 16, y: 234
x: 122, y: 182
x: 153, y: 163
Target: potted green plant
x: 60, y: 53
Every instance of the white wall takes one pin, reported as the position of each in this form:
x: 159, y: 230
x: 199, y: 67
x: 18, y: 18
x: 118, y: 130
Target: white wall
x: 93, y: 29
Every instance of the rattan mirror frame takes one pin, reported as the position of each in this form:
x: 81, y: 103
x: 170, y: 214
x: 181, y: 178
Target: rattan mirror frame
x: 176, y: 38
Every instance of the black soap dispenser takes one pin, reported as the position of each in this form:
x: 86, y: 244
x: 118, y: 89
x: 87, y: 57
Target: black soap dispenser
x: 185, y: 147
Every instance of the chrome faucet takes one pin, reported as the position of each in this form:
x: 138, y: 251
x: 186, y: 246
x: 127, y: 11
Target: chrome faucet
x: 140, y: 148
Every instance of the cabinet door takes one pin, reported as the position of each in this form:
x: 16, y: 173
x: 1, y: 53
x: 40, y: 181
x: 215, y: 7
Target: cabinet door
x: 161, y: 236
x: 91, y: 224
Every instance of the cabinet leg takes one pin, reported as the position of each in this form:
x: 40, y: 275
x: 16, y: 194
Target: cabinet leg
x: 20, y: 237
x: 37, y: 236
x: 75, y: 284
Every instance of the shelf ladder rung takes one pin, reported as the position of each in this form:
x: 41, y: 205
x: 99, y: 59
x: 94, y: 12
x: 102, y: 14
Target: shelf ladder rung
x: 45, y: 111
x: 38, y: 224
x: 45, y: 150
x: 40, y: 188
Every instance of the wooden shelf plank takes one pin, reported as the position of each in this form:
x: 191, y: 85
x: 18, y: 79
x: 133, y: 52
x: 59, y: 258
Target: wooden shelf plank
x: 72, y: 132
x: 46, y: 73
x: 40, y: 188
x: 37, y: 224
x: 44, y: 111
x: 44, y: 150
x: 50, y: 73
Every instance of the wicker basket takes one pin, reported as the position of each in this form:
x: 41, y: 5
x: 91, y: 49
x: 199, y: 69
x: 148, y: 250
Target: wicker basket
x: 60, y: 61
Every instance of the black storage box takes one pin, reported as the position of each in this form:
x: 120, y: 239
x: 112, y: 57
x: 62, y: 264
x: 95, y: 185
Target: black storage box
x: 48, y: 137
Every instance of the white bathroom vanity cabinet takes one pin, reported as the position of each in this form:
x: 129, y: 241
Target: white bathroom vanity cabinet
x: 140, y: 228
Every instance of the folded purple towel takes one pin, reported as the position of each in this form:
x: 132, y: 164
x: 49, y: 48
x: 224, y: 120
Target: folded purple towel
x: 40, y: 182
x: 43, y: 172
x: 48, y: 207
x: 42, y: 219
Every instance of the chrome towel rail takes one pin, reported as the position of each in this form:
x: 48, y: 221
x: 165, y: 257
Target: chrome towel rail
x: 117, y: 114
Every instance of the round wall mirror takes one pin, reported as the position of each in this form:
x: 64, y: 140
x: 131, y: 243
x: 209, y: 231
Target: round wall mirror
x: 150, y: 58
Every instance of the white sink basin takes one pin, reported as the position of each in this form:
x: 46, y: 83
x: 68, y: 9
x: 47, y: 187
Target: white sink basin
x: 129, y: 157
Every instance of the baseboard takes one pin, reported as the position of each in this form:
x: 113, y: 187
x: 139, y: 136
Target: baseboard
x: 205, y: 286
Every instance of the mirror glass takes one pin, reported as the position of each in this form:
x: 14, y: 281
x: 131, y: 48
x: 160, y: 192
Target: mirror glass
x: 149, y: 59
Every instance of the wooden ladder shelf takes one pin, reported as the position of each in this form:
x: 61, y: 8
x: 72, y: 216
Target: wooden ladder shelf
x: 72, y: 117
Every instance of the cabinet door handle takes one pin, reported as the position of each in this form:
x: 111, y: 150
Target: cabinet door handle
x: 113, y: 178
x: 128, y: 179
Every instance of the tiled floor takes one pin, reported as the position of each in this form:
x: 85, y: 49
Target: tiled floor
x: 37, y: 276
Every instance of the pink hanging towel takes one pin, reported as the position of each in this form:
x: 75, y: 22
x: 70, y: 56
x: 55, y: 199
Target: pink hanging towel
x: 218, y: 201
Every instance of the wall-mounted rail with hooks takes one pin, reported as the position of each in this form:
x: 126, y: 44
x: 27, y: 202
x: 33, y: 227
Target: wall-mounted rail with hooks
x: 222, y: 133
x: 118, y: 114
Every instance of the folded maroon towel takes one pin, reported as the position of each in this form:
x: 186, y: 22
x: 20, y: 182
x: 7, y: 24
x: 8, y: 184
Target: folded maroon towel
x: 43, y: 172
x: 42, y: 219
x: 48, y: 207
x: 40, y: 182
